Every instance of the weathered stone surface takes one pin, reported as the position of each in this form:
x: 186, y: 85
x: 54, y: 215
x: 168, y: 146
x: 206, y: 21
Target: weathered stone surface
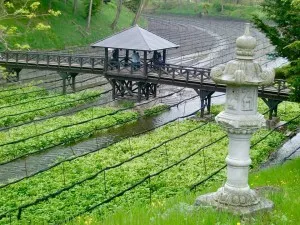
x: 209, y: 200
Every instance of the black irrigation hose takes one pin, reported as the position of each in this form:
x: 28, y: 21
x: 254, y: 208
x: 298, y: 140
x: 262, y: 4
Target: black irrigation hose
x: 54, y: 115
x: 194, y: 186
x: 87, y: 133
x: 43, y: 89
x: 107, y: 168
x: 54, y: 105
x: 78, y: 110
x: 91, y: 177
x: 79, y: 123
x: 45, y: 97
x: 96, y: 150
x: 260, y: 140
x: 91, y: 208
x: 155, y: 174
x: 274, y: 129
x: 17, y: 83
x: 292, y: 153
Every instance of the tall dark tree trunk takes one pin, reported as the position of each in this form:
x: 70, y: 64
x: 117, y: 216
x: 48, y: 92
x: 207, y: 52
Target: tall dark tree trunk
x: 75, y: 6
x: 50, y: 4
x: 139, y: 12
x: 114, y: 23
x: 90, y: 15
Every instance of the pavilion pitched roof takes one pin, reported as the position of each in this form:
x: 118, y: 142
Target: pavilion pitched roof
x: 136, y: 38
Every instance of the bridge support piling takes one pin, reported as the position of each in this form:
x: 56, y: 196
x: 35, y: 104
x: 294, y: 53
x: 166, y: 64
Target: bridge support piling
x: 71, y: 78
x: 273, y: 109
x: 205, y: 100
x: 122, y: 88
x: 73, y: 81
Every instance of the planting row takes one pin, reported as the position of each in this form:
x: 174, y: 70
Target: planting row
x: 58, y: 130
x: 105, y: 185
x: 41, y: 107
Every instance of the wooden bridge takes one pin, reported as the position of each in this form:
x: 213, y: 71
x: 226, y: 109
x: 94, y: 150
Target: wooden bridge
x: 127, y: 80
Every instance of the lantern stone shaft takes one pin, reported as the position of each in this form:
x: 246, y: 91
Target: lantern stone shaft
x: 240, y: 119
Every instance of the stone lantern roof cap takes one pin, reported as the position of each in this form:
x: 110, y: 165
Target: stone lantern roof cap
x: 245, y: 44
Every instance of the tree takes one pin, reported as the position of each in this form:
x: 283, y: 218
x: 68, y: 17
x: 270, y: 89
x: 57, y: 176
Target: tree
x: 283, y: 30
x: 91, y: 7
x: 18, y: 11
x: 143, y: 3
x: 89, y: 15
x: 75, y: 6
x: 119, y: 8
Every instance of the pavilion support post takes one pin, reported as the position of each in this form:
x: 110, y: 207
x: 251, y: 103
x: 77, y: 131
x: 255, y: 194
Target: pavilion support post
x: 118, y: 60
x: 139, y: 91
x: 113, y: 84
x: 127, y: 58
x: 106, y: 60
x: 154, y: 90
x: 145, y: 64
x: 164, y: 55
x: 240, y: 120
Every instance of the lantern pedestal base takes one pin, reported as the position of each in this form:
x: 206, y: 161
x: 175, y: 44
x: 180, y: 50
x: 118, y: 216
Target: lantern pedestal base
x: 211, y: 200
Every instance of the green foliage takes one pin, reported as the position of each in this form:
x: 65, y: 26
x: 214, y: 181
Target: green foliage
x: 155, y: 110
x: 285, y: 35
x: 68, y: 29
x: 16, y: 94
x: 217, y: 6
x: 172, y: 182
x: 96, y: 6
x: 126, y: 103
x: 133, y: 5
x: 67, y: 135
x: 41, y: 107
x: 286, y: 29
x: 282, y: 182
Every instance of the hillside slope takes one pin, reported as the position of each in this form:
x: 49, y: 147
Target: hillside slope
x: 68, y: 29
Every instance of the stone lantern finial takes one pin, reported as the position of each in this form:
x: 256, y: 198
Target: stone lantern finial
x: 245, y: 45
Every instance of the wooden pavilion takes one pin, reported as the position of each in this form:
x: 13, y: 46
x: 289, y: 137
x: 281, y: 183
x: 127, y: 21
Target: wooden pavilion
x: 124, y: 60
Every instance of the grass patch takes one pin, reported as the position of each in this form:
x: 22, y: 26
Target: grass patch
x: 69, y: 29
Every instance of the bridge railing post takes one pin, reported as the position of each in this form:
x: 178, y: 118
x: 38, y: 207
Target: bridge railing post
x: 69, y: 61
x: 58, y: 60
x: 48, y: 59
x: 27, y: 57
x: 37, y: 59
x: 187, y: 76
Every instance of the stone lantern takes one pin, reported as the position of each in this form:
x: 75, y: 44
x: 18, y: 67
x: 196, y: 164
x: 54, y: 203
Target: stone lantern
x: 240, y: 119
